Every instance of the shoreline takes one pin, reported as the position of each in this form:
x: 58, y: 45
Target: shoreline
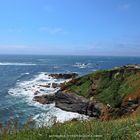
x: 41, y: 85
x: 71, y: 106
x: 69, y: 96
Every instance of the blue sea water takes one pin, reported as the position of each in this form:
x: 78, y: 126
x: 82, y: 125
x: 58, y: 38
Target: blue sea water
x: 17, y: 72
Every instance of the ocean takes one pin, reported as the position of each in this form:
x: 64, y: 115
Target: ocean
x: 21, y: 75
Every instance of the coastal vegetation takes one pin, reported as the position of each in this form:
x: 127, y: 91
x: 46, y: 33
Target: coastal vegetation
x: 107, y: 86
x: 120, y: 129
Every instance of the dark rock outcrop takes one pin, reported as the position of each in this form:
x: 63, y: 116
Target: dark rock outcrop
x: 36, y: 92
x: 129, y: 107
x: 55, y: 85
x: 64, y: 76
x: 72, y: 102
x: 45, y: 99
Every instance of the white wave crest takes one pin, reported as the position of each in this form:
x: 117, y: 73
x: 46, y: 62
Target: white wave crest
x: 16, y: 64
x: 37, y: 85
x: 82, y: 65
x: 28, y: 89
x: 56, y: 115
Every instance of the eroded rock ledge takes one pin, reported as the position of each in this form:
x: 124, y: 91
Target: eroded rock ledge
x: 45, y: 99
x: 73, y: 103
x: 64, y: 76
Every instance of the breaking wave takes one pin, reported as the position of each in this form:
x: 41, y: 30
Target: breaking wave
x: 16, y: 64
x: 39, y: 86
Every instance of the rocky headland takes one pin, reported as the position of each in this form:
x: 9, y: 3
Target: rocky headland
x: 104, y: 94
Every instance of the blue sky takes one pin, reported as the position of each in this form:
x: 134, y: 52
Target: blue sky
x: 79, y: 27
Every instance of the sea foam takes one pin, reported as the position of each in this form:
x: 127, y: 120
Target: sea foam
x: 16, y: 64
x: 27, y: 89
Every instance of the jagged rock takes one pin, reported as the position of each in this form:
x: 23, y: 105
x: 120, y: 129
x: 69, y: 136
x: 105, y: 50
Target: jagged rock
x: 64, y: 76
x: 55, y: 85
x: 128, y: 107
x: 36, y: 92
x: 74, y: 103
x: 71, y: 102
x: 45, y: 99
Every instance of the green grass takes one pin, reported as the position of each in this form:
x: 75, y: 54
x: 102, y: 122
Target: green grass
x: 113, y: 90
x: 112, y: 85
x: 83, y: 89
x: 123, y: 129
x: 82, y: 86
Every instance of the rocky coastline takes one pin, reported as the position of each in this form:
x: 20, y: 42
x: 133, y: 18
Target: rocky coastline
x: 73, y: 103
x: 69, y: 99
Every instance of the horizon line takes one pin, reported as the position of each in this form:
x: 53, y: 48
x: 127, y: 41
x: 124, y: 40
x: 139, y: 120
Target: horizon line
x: 75, y: 55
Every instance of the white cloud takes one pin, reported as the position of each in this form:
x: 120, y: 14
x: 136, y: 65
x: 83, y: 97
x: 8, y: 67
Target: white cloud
x: 98, y: 48
x: 13, y: 47
x: 30, y: 49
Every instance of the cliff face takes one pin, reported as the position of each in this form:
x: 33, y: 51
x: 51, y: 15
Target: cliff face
x: 117, y: 89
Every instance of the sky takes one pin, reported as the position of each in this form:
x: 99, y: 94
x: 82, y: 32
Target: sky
x: 70, y: 27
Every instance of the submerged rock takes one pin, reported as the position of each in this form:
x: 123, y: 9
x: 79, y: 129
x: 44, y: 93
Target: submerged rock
x: 46, y: 85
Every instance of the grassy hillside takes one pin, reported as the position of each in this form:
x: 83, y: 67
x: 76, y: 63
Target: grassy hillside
x: 122, y: 129
x: 108, y: 86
